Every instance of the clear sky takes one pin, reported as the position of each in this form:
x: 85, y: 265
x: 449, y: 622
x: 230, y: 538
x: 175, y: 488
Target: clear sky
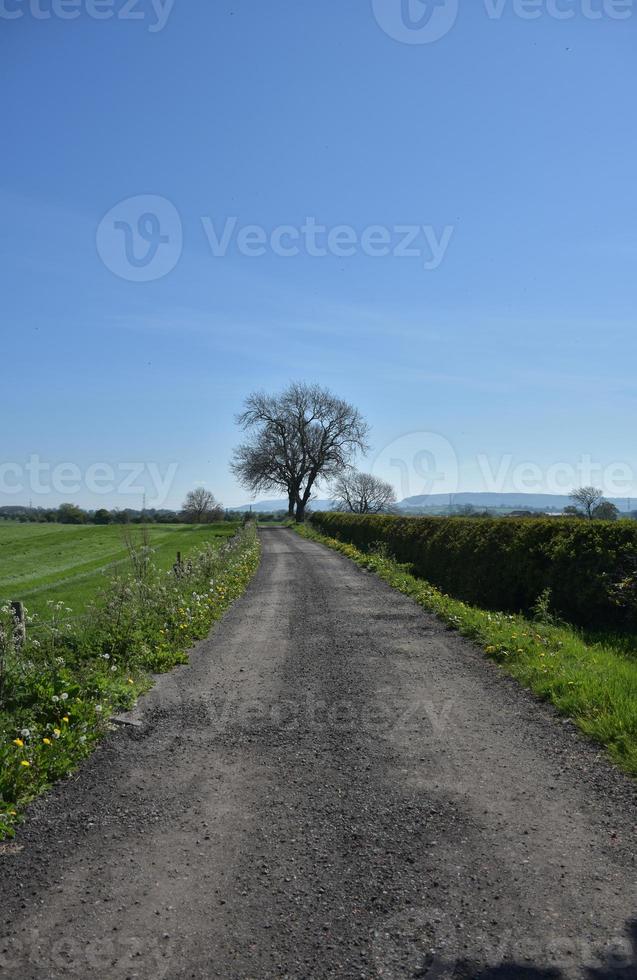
x: 501, y: 153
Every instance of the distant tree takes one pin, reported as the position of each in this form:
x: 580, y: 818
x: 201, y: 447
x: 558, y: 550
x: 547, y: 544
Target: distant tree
x: 606, y: 511
x: 362, y: 493
x: 304, y: 435
x: 102, y: 516
x: 167, y: 517
x: 70, y: 514
x: 201, y: 507
x: 588, y: 499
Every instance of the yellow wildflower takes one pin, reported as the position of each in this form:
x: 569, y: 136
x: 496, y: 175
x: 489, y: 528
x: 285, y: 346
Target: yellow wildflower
x: 47, y: 741
x: 24, y: 763
x: 18, y: 742
x: 65, y: 720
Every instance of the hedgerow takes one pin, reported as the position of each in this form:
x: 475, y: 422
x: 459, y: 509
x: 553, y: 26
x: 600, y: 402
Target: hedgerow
x: 588, y: 566
x: 59, y: 688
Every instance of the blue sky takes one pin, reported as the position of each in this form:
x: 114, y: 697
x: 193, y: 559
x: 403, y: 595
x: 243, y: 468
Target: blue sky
x: 516, y: 135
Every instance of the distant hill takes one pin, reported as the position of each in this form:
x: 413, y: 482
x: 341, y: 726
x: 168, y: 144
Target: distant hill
x: 271, y: 506
x: 437, y: 501
x: 517, y: 501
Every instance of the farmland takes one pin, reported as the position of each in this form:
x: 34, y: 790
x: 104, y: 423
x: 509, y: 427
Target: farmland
x: 49, y: 562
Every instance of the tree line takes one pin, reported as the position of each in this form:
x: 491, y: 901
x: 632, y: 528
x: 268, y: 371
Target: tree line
x: 193, y: 512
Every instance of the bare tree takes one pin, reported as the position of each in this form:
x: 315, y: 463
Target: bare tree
x: 272, y: 460
x: 362, y: 493
x: 588, y: 499
x: 201, y: 507
x: 304, y: 435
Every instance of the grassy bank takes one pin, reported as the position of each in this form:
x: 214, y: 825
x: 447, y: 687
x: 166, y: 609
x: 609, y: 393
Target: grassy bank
x: 40, y: 563
x: 592, y: 682
x: 58, y: 690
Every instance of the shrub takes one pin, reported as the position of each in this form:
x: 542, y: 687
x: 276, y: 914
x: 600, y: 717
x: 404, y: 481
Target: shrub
x: 508, y: 564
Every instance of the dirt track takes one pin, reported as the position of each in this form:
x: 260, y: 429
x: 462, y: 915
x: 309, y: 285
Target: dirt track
x: 334, y: 787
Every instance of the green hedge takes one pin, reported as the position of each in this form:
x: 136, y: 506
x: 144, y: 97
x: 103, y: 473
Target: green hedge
x: 507, y: 563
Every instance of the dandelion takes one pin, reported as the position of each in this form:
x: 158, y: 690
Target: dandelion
x: 130, y: 680
x: 26, y: 733
x: 64, y: 697
x: 56, y: 733
x: 65, y: 720
x: 47, y: 741
x: 24, y: 763
x: 18, y: 742
x: 55, y: 698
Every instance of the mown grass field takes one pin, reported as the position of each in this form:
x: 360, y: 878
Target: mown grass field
x: 43, y: 562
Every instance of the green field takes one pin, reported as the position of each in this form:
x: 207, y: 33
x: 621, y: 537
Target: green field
x: 42, y: 562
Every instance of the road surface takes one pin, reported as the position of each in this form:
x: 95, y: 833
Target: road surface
x: 335, y: 786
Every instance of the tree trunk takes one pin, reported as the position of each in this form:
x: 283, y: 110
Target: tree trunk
x: 300, y: 512
x: 291, y: 503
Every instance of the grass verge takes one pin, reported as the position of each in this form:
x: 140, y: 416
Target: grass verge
x: 592, y: 683
x: 57, y: 692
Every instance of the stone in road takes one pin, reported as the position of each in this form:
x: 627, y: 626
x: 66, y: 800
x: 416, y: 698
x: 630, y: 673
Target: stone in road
x: 336, y: 786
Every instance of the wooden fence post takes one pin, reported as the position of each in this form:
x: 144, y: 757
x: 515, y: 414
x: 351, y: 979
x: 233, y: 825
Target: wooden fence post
x: 20, y: 628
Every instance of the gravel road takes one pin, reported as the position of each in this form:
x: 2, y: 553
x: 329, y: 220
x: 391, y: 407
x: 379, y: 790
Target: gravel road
x: 335, y: 786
